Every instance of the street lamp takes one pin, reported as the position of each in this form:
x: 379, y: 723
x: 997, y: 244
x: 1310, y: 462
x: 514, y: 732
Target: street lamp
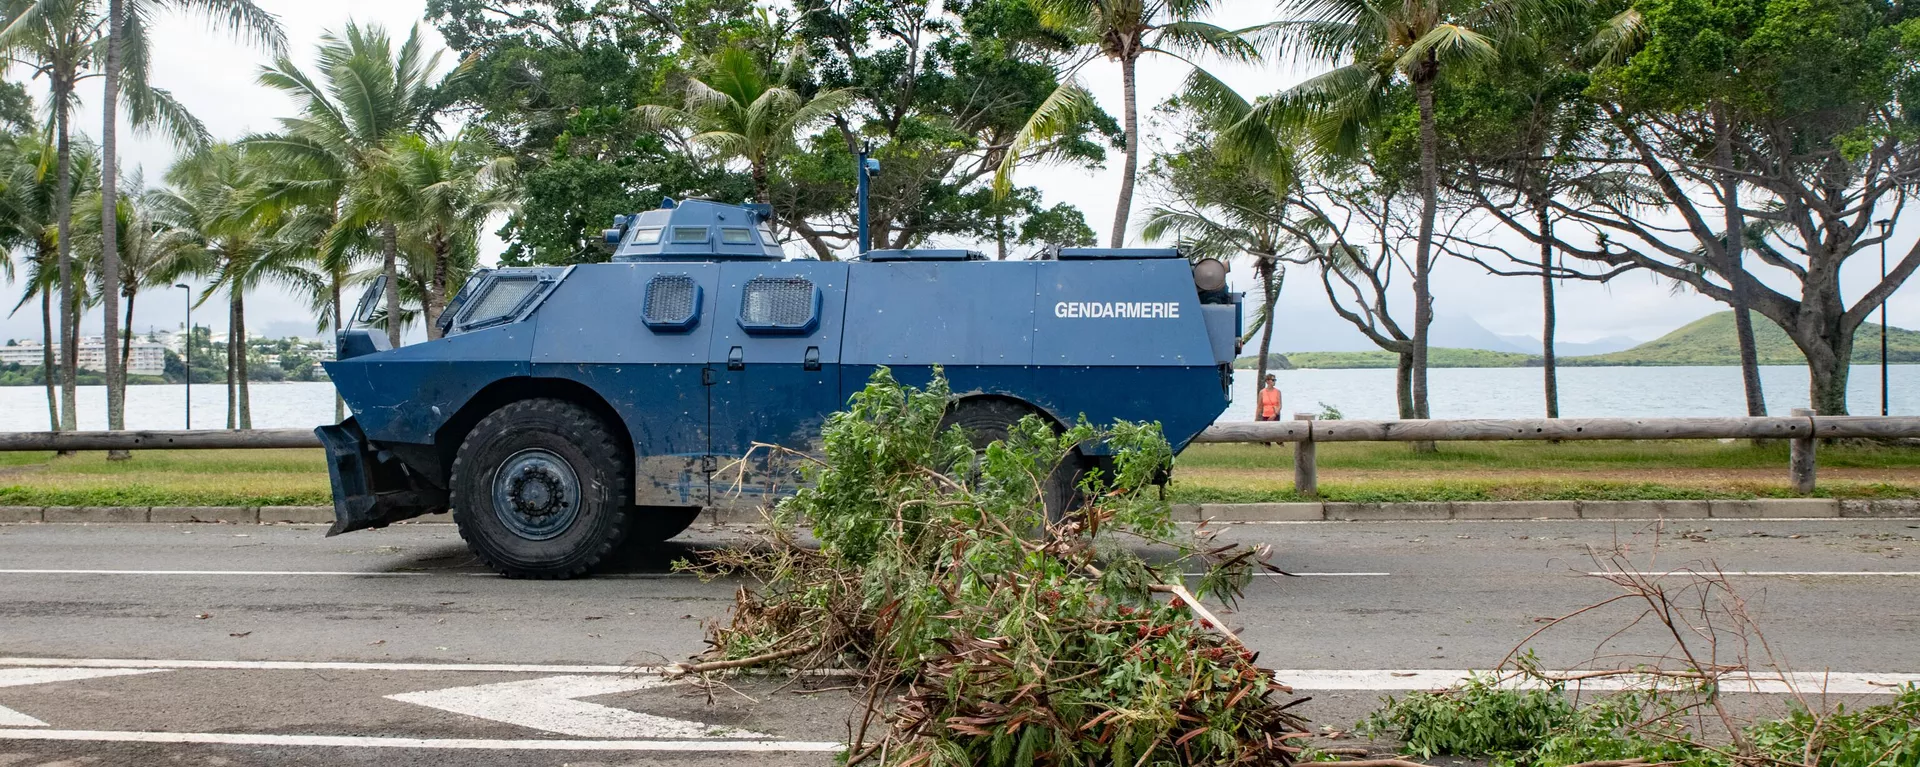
x: 188, y: 348
x: 1886, y: 229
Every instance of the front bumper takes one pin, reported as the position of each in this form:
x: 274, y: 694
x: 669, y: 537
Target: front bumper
x: 372, y: 488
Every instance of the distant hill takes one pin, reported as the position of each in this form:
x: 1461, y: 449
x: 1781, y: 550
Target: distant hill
x: 1436, y: 358
x: 1710, y: 341
x: 1275, y: 361
x: 1707, y: 341
x: 1566, y: 348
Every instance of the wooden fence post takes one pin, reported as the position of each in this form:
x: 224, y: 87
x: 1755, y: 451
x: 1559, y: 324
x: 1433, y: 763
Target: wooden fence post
x: 1306, y: 474
x: 1801, y: 465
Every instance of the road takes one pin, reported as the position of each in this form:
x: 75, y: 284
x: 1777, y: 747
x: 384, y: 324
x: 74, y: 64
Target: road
x: 214, y: 644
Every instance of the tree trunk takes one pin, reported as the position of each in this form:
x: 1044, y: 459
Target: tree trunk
x: 109, y: 228
x: 1272, y: 296
x: 339, y: 405
x: 390, y: 266
x: 1829, y: 363
x: 240, y: 358
x: 1131, y: 165
x: 1735, y: 246
x: 1548, y: 310
x: 1423, y: 251
x: 233, y: 310
x: 1403, y: 386
x: 126, y: 337
x: 63, y: 222
x: 437, y: 289
x: 47, y: 368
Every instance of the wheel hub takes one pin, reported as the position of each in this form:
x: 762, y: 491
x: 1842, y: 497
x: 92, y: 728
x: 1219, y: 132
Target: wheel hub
x: 536, y: 494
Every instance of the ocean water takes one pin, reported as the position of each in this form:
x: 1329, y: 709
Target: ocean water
x: 1457, y: 393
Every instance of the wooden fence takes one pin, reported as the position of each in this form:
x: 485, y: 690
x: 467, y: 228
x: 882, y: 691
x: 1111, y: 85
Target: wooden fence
x: 1804, y: 429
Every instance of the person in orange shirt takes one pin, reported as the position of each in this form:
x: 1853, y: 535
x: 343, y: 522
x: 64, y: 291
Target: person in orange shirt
x: 1269, y: 408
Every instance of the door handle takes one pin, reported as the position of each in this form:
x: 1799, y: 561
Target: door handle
x: 736, y: 359
x: 813, y: 358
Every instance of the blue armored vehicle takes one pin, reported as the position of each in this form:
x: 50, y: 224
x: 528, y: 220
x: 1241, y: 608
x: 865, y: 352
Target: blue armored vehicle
x: 569, y: 409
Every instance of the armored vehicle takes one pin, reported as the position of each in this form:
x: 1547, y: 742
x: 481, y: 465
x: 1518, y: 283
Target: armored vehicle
x: 568, y: 409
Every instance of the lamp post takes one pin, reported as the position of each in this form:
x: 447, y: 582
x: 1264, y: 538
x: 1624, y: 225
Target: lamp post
x: 188, y: 348
x: 1886, y: 229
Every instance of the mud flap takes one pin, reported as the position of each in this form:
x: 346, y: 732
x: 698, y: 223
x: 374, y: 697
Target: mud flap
x: 371, y: 488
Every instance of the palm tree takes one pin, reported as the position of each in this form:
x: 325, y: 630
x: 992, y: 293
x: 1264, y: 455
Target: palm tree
x: 736, y: 110
x: 56, y: 38
x: 26, y: 218
x: 212, y: 233
x: 368, y: 94
x: 149, y: 255
x: 442, y: 193
x: 1124, y: 31
x: 1222, y: 208
x: 125, y: 72
x: 1376, y: 46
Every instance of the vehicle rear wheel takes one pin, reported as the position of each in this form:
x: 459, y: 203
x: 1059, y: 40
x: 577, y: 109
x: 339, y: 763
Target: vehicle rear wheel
x: 541, y: 489
x: 657, y: 524
x: 987, y: 421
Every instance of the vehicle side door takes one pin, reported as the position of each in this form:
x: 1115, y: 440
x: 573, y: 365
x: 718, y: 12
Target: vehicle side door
x: 775, y: 358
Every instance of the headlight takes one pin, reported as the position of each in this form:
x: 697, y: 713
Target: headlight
x: 1210, y: 275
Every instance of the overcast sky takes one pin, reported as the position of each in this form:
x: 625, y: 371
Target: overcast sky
x: 214, y: 76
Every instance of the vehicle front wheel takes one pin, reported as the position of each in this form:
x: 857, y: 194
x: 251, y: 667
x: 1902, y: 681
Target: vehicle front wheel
x: 987, y: 421
x: 541, y: 489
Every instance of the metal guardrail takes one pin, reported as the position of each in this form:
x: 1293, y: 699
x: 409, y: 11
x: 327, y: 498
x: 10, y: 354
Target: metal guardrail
x: 1803, y: 428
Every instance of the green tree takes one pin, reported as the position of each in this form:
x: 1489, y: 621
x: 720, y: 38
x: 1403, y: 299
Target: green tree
x: 1220, y: 205
x: 1780, y: 130
x: 1124, y: 31
x: 441, y: 193
x: 218, y: 237
x: 27, y: 211
x: 940, y: 92
x: 556, y: 87
x: 736, y: 108
x: 1376, y: 48
x: 56, y: 39
x: 368, y: 94
x: 125, y: 71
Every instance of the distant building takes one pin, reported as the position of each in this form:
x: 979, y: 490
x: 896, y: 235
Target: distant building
x: 148, y: 358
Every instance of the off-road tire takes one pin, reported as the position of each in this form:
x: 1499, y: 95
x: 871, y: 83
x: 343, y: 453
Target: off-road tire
x: 598, y: 460
x: 659, y: 524
x: 989, y: 420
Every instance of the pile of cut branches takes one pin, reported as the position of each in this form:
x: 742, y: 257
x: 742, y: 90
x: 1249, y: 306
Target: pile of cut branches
x: 980, y: 633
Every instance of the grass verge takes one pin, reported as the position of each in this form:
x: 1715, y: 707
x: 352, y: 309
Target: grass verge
x: 167, y: 478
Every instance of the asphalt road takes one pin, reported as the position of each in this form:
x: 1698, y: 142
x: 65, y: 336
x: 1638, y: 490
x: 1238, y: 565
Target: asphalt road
x: 212, y: 644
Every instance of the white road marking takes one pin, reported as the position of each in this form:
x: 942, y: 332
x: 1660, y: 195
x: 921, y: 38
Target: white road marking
x: 288, y: 665
x: 467, y: 744
x: 1306, y: 679
x: 1770, y: 573
x: 209, y: 572
x: 548, y: 704
x: 1808, y: 682
x: 19, y: 677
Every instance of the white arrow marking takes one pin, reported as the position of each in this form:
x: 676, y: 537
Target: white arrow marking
x: 548, y: 704
x: 17, y: 677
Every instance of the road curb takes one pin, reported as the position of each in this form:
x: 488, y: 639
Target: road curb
x: 1218, y: 513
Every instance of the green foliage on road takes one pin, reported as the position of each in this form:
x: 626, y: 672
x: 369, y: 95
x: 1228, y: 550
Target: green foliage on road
x: 1542, y: 727
x: 1008, y: 640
